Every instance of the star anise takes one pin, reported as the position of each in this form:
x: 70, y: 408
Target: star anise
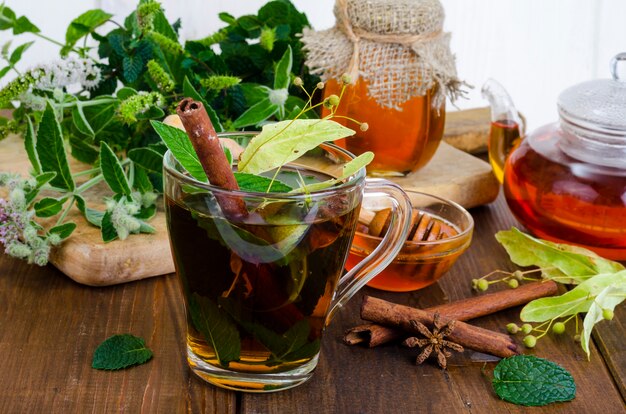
x: 433, y: 341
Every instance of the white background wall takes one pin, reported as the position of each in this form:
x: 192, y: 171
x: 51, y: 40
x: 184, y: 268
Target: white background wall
x: 535, y: 48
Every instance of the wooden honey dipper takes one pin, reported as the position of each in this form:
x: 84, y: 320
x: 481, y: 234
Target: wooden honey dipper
x: 424, y: 227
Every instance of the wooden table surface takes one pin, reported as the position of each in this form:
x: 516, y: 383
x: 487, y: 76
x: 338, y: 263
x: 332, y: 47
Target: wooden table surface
x: 50, y: 326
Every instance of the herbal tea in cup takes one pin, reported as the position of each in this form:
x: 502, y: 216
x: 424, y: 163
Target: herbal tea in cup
x: 260, y: 281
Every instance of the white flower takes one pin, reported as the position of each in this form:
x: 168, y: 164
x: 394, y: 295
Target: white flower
x: 278, y: 96
x: 66, y: 72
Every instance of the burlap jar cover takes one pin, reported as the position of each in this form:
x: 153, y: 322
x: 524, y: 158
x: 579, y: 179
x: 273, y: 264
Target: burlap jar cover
x: 397, y: 46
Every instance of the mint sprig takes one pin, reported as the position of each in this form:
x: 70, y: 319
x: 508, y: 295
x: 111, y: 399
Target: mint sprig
x: 531, y: 381
x: 120, y: 351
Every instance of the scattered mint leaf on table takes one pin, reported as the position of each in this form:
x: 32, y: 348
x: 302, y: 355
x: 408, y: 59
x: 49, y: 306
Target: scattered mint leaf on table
x: 531, y: 381
x: 120, y: 351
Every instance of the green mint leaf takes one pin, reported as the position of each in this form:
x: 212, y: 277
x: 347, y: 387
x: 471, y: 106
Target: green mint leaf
x: 82, y: 150
x: 29, y: 145
x: 254, y: 92
x: 574, y: 301
x: 562, y: 262
x: 48, y: 206
x: 256, y: 114
x: 133, y: 65
x: 282, y: 74
x: 107, y: 229
x: 178, y: 142
x: 4, y: 71
x: 608, y: 298
x: 227, y: 18
x: 154, y: 112
x: 531, y: 381
x: 80, y: 121
x: 260, y: 184
x: 85, y: 24
x: 40, y: 181
x: 120, y: 351
x: 146, y: 213
x: 23, y: 25
x: 51, y: 151
x: 64, y: 230
x: 93, y: 216
x: 17, y: 53
x: 7, y: 17
x: 113, y: 171
x: 347, y: 170
x: 285, y: 141
x: 147, y: 158
x: 146, y: 228
x: 125, y: 93
x: 217, y: 328
x: 191, y: 92
x: 141, y: 181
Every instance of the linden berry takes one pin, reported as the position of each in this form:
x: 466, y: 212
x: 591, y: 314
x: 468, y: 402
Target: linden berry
x: 518, y: 275
x: 513, y: 283
x: 527, y: 328
x: 482, y: 285
x: 346, y: 79
x: 475, y: 284
x: 558, y: 328
x: 364, y: 126
x: 320, y: 85
x: 333, y: 100
x: 512, y: 328
x: 530, y: 341
x: 577, y: 338
x: 607, y: 314
x: 298, y: 81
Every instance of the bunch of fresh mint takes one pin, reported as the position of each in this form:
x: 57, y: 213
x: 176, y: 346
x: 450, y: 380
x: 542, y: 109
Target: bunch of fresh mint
x: 96, y: 102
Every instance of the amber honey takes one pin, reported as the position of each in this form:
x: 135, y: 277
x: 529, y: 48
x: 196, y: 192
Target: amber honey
x: 403, y: 140
x: 420, y: 263
x: 563, y: 200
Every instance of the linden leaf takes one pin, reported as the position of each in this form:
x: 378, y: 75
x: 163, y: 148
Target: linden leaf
x: 349, y: 169
x: 608, y: 298
x: 574, y: 301
x: 561, y: 262
x: 531, y: 381
x: 120, y: 351
x: 285, y: 141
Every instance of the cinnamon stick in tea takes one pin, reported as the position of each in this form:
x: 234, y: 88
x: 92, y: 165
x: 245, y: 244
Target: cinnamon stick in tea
x: 211, y: 155
x: 372, y: 334
x: 207, y: 145
x: 466, y: 335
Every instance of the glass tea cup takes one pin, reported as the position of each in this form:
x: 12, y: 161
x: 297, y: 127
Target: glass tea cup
x: 259, y: 288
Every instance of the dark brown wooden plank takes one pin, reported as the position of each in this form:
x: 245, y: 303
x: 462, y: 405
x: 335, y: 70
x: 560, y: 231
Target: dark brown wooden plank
x: 359, y: 380
x: 610, y: 337
x: 50, y: 326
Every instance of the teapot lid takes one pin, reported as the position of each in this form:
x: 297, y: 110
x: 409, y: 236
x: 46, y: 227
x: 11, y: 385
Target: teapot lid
x: 598, y: 105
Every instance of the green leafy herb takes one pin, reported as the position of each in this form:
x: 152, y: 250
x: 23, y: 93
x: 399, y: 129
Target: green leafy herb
x: 216, y: 327
x: 120, y: 351
x: 113, y: 171
x: 48, y: 207
x: 51, y: 150
x: 83, y: 25
x: 257, y: 183
x: 600, y: 285
x: 531, y: 381
x: 558, y: 261
x: 285, y: 141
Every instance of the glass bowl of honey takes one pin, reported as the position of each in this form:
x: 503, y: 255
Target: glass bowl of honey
x: 440, y: 231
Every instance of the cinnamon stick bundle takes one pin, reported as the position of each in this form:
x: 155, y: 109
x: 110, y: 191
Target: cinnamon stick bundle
x: 469, y: 336
x: 463, y: 310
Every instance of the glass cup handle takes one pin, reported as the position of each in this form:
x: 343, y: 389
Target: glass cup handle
x: 388, y: 248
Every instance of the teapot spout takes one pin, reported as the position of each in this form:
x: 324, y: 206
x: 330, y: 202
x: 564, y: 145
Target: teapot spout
x: 506, y: 126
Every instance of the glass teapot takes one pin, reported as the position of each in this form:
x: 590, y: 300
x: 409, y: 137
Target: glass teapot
x: 566, y: 181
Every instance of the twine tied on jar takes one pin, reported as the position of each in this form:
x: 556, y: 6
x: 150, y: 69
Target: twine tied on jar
x: 398, y: 46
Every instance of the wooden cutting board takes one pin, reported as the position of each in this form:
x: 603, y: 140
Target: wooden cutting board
x: 452, y: 174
